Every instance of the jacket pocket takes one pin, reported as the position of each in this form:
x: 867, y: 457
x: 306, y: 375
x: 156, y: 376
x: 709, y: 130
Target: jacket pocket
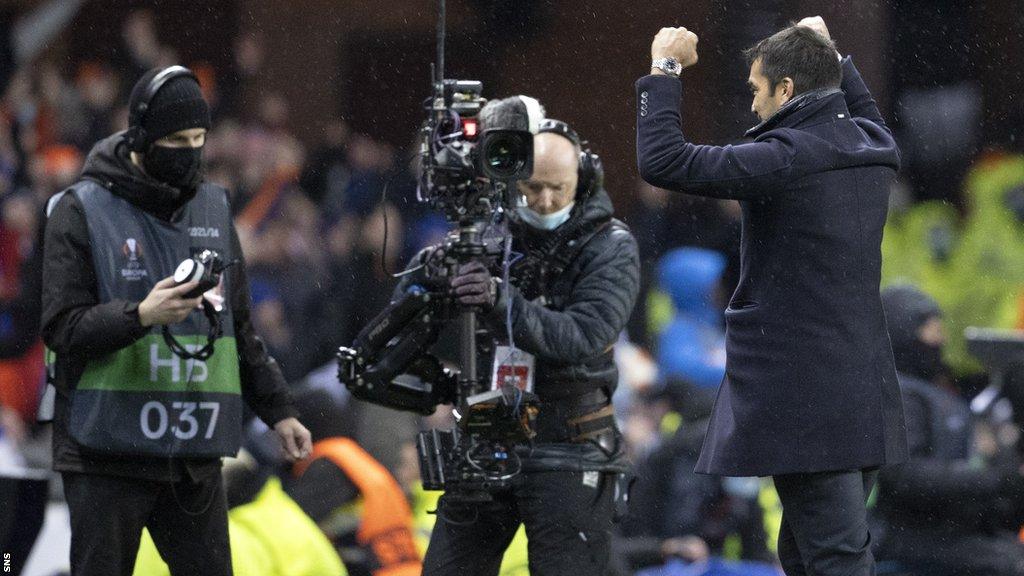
x: 741, y: 305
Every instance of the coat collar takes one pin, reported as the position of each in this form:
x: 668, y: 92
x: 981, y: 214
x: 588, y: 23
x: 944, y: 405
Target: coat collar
x: 799, y: 109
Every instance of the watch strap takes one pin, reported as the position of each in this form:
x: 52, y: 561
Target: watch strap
x: 668, y: 66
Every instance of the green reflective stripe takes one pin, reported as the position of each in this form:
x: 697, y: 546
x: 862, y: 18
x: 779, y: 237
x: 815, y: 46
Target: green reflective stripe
x: 148, y: 365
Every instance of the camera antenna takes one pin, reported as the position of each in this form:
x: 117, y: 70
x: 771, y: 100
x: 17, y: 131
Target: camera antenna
x: 439, y: 71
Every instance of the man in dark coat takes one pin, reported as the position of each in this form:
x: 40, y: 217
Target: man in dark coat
x: 810, y: 395
x: 942, y: 513
x: 126, y: 428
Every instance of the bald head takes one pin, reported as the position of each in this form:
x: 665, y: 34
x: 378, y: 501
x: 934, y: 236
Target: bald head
x: 555, y: 173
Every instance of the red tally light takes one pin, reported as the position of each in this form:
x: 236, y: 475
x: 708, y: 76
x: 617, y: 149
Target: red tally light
x: 469, y: 128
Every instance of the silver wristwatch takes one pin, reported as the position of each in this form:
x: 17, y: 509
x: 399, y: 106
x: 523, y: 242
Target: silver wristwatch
x: 669, y: 66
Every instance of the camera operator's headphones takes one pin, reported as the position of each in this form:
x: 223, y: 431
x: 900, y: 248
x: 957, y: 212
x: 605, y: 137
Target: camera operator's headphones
x: 136, y: 135
x: 591, y: 171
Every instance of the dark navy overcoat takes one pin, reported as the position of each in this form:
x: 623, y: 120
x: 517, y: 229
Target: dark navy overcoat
x: 810, y: 384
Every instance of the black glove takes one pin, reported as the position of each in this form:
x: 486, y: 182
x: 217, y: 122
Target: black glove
x: 474, y: 286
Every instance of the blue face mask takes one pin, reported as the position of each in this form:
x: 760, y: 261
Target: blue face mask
x: 544, y: 221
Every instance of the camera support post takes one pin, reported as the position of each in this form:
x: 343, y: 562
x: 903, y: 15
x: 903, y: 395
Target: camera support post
x: 470, y: 178
x: 468, y: 248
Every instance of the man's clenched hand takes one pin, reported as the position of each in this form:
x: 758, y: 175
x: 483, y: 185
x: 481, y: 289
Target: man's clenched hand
x: 817, y: 24
x: 677, y: 43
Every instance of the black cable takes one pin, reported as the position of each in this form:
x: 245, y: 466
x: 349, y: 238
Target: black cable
x: 395, y: 172
x: 204, y: 353
x: 210, y: 314
x: 213, y: 333
x: 201, y: 355
x: 494, y: 477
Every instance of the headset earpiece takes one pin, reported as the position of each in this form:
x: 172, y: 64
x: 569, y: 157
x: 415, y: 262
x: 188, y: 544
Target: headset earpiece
x: 591, y: 175
x: 591, y: 172
x: 135, y: 138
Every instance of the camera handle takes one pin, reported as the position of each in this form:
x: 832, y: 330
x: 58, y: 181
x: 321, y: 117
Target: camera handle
x: 467, y: 248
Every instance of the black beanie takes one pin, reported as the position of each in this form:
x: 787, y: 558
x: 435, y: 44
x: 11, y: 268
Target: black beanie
x: 177, y: 105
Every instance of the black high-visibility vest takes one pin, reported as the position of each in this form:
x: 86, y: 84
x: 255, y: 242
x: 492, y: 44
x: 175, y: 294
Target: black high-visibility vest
x: 143, y: 399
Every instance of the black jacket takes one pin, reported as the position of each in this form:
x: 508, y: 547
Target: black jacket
x: 569, y: 317
x: 939, y: 487
x: 810, y: 384
x: 670, y: 500
x: 79, y: 328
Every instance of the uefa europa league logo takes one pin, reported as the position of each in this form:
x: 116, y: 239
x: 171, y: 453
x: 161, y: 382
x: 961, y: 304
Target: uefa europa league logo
x: 133, y: 251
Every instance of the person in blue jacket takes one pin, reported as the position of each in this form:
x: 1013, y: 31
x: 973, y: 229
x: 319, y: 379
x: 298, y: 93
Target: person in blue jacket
x: 692, y: 346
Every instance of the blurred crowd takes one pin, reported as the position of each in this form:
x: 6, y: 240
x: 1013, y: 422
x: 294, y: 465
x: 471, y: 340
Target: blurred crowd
x: 321, y: 239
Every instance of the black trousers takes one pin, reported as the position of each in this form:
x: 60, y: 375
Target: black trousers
x: 824, y: 523
x: 568, y: 518
x: 108, y: 513
x: 22, y: 510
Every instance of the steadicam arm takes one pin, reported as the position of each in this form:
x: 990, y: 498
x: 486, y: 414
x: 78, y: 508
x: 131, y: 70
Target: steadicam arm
x: 389, y: 364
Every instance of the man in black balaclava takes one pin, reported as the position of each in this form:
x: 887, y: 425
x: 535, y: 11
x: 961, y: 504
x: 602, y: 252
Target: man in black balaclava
x: 149, y: 393
x: 943, y: 515
x: 915, y: 331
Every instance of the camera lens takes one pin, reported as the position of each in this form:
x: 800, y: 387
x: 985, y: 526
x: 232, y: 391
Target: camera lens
x: 502, y: 155
x: 507, y: 154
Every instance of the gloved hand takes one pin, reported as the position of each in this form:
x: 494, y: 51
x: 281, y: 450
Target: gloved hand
x: 473, y: 286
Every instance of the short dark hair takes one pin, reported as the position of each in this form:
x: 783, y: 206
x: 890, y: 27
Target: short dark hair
x: 801, y: 54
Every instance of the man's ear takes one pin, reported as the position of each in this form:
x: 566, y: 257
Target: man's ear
x: 785, y: 88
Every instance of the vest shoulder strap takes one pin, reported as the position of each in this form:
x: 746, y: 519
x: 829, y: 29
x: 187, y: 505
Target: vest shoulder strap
x: 51, y: 204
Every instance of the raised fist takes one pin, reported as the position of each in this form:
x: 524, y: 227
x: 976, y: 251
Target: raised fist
x: 678, y: 43
x: 815, y: 23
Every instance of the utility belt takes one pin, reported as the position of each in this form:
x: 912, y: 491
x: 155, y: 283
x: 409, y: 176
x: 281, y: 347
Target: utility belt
x: 579, y: 419
x: 579, y: 434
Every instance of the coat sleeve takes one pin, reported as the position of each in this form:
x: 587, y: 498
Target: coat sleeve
x: 595, y: 313
x: 858, y: 98
x: 667, y: 160
x: 74, y: 322
x: 263, y: 385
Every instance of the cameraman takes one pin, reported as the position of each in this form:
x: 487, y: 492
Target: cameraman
x: 138, y: 429
x: 569, y: 297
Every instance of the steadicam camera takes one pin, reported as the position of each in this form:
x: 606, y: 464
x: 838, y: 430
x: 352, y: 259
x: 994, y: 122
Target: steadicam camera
x: 469, y: 174
x: 466, y: 171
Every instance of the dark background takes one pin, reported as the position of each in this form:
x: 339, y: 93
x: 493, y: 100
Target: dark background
x: 369, y: 61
